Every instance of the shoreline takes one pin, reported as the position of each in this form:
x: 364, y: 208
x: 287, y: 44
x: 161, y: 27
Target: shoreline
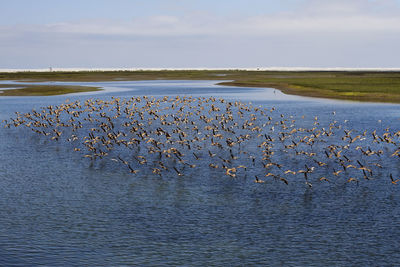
x: 367, y: 86
x: 284, y: 69
x: 310, y: 92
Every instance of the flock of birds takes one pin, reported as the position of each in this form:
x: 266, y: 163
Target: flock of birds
x: 189, y: 136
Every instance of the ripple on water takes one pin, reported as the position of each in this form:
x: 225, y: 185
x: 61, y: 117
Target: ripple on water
x: 57, y: 208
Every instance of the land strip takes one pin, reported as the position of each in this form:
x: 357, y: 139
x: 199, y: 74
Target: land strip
x: 375, y: 86
x: 42, y: 90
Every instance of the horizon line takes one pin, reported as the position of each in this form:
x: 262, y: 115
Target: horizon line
x: 54, y: 69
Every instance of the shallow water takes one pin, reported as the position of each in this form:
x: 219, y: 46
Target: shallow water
x: 58, y: 209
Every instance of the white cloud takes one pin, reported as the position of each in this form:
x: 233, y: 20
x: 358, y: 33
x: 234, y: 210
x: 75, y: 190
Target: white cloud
x: 346, y: 24
x: 319, y: 33
x: 314, y: 17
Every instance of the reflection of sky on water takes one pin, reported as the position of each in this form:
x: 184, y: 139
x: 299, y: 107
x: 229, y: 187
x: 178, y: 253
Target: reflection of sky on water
x: 168, y: 87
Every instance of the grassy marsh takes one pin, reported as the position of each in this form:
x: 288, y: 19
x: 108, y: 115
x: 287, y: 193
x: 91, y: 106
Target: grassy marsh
x: 351, y: 85
x: 43, y: 90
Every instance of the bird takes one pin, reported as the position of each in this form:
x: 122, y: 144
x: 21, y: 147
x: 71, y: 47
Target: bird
x: 132, y: 170
x: 284, y: 180
x: 257, y: 180
x: 161, y: 133
x: 178, y: 172
x: 393, y: 180
x: 231, y: 172
x: 351, y: 179
x: 336, y: 173
x: 323, y: 179
x: 290, y: 171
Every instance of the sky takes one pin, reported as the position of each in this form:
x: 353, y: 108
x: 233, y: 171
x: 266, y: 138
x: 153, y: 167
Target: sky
x: 199, y: 33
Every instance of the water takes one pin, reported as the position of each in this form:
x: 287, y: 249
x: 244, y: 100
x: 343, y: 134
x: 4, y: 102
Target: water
x: 58, y: 209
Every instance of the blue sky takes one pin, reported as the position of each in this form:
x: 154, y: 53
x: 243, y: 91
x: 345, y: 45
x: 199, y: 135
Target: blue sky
x: 202, y: 33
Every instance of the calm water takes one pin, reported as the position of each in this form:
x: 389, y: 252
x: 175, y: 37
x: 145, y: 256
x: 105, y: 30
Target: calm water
x: 58, y: 209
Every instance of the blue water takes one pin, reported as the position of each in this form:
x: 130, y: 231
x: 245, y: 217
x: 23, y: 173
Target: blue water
x: 57, y: 208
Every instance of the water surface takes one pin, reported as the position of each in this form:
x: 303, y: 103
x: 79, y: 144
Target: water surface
x: 58, y: 209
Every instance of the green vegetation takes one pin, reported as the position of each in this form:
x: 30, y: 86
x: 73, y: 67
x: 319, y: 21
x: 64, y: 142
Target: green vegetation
x: 355, y: 85
x: 43, y: 90
x: 360, y: 86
